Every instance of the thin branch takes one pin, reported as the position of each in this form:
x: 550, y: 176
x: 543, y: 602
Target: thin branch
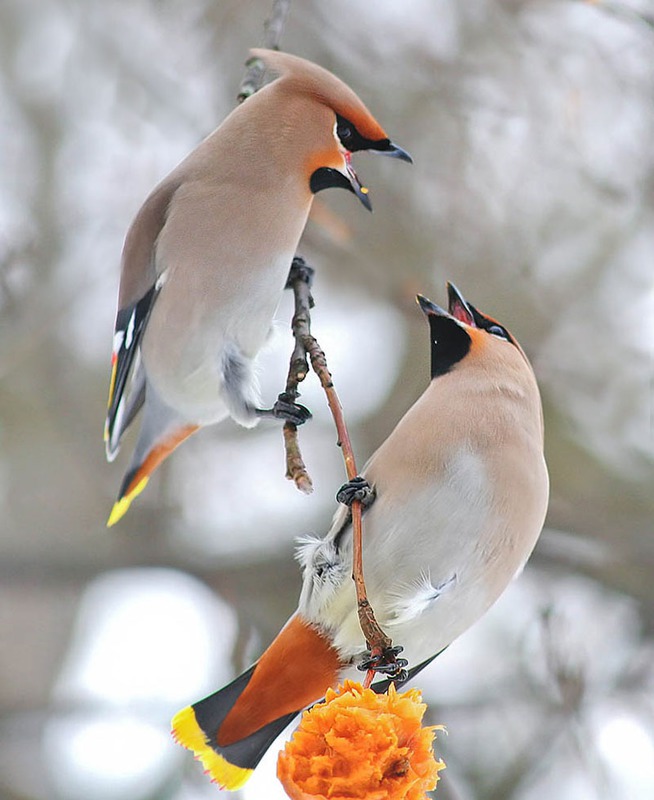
x: 273, y: 29
x: 378, y: 642
x: 299, y: 280
x: 296, y: 470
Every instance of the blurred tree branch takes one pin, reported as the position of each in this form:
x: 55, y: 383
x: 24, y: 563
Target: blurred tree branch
x: 273, y: 29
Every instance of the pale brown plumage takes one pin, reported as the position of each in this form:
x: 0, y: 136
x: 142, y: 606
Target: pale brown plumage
x: 464, y: 478
x: 461, y: 495
x: 207, y: 256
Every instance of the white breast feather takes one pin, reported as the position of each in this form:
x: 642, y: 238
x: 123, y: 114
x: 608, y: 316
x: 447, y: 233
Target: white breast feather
x: 424, y: 561
x: 410, y: 602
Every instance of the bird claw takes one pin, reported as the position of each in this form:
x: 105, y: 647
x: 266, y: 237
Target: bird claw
x: 387, y: 663
x: 287, y: 409
x: 357, y: 488
x: 299, y: 270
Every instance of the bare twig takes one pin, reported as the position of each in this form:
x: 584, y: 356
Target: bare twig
x: 273, y: 28
x: 300, y: 279
x: 378, y: 642
x: 296, y: 470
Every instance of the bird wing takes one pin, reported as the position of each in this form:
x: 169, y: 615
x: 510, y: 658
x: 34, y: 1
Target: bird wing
x: 140, y: 284
x: 382, y: 686
x: 122, y: 405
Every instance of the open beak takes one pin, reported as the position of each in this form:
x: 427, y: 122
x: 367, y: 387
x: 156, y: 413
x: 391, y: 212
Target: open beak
x: 355, y: 184
x: 458, y: 306
x: 429, y: 308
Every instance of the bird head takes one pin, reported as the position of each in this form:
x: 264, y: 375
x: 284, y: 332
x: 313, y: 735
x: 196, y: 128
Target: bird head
x: 464, y: 333
x: 334, y: 122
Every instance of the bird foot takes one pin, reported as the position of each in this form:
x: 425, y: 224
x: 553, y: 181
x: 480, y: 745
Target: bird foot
x: 299, y: 270
x: 356, y: 489
x: 386, y: 662
x: 285, y: 408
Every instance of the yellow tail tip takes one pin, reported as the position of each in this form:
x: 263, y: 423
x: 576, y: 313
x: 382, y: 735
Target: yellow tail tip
x: 187, y: 733
x: 118, y: 511
x: 121, y: 506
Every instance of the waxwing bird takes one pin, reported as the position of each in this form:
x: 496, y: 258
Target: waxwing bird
x: 460, y: 494
x: 207, y: 256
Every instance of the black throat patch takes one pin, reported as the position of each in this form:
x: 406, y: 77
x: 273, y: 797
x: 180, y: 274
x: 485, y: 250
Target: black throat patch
x: 328, y: 178
x: 450, y: 343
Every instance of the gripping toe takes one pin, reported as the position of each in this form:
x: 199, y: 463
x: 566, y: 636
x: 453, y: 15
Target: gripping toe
x: 356, y: 489
x: 286, y: 409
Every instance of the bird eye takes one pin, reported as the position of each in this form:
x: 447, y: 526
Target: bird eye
x: 344, y: 133
x: 497, y: 330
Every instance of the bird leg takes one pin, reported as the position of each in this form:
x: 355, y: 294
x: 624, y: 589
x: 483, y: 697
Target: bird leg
x: 385, y: 661
x: 356, y: 489
x: 300, y: 271
x: 237, y: 372
x: 287, y: 409
x: 359, y: 489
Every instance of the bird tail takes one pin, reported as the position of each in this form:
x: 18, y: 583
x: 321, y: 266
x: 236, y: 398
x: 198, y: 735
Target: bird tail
x: 197, y: 728
x: 230, y: 730
x: 139, y: 474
